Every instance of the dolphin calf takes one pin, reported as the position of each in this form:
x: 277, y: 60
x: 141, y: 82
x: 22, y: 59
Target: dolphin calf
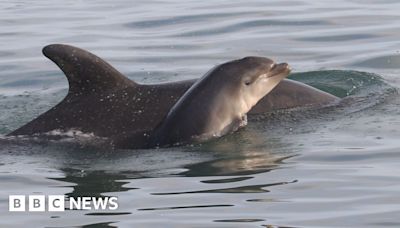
x: 104, y: 102
x: 217, y: 103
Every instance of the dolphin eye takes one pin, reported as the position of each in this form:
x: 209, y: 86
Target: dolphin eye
x: 247, y: 83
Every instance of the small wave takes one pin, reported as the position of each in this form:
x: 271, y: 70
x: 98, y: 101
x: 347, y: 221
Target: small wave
x: 247, y: 25
x: 182, y: 19
x: 381, y: 62
x: 337, y: 38
x: 359, y: 91
x: 344, y: 83
x: 71, y: 137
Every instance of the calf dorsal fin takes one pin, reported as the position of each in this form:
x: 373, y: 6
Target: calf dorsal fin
x: 86, y: 73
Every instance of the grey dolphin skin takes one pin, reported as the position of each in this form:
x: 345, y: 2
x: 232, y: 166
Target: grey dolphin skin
x: 104, y: 102
x: 217, y: 104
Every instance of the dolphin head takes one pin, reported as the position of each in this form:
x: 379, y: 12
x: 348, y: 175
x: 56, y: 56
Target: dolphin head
x: 247, y: 80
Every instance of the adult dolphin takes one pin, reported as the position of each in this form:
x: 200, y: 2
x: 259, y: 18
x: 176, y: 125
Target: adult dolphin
x: 102, y: 101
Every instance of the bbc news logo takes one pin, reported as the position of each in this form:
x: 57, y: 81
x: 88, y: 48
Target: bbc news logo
x: 59, y: 203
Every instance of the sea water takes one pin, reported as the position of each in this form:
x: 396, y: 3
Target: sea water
x: 330, y: 167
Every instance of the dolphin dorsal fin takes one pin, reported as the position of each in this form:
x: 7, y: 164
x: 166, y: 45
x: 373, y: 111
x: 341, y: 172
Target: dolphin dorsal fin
x: 86, y: 73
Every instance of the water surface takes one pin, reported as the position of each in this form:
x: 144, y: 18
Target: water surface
x: 334, y: 167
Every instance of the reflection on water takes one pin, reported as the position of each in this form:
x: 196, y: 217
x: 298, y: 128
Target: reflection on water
x: 95, y: 180
x: 245, y: 163
x: 93, y: 183
x: 242, y: 189
x: 100, y: 225
x: 86, y: 172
